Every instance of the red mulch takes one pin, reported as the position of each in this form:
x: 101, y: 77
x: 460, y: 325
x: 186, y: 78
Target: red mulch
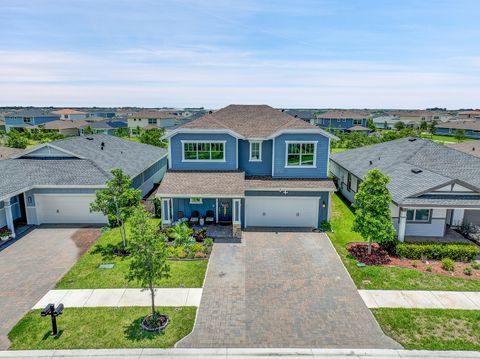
x: 381, y: 257
x: 360, y: 252
x: 84, y: 238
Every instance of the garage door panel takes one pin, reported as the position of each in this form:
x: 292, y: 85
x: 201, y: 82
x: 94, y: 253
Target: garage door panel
x: 66, y: 209
x: 281, y: 211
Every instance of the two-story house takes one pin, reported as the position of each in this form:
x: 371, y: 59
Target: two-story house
x: 69, y: 114
x: 27, y: 118
x: 151, y: 119
x: 248, y: 166
x: 343, y: 120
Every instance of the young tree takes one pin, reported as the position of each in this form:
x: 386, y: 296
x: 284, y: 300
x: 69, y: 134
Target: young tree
x: 149, y: 255
x: 432, y: 127
x: 400, y: 125
x: 16, y: 139
x: 372, y: 211
x: 117, y: 200
x: 371, y: 124
x: 459, y: 135
x: 88, y: 130
x: 153, y: 137
x: 121, y: 132
x: 423, y: 125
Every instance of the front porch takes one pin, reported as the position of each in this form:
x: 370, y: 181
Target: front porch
x: 451, y: 236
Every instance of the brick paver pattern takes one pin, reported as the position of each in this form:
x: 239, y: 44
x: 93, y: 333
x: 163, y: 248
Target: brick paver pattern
x: 31, y: 266
x: 282, y: 290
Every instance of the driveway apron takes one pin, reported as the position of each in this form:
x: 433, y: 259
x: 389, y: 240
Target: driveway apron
x: 282, y: 290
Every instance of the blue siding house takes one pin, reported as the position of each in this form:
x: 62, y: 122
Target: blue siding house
x: 342, y: 120
x: 28, y: 117
x: 471, y: 128
x: 248, y: 166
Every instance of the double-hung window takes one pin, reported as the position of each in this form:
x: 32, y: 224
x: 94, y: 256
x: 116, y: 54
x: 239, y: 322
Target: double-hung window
x: 418, y: 215
x: 301, y: 154
x: 255, y: 151
x: 357, y: 122
x: 203, y: 151
x: 152, y: 121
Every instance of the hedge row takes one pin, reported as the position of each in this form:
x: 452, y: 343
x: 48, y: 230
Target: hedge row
x: 457, y: 251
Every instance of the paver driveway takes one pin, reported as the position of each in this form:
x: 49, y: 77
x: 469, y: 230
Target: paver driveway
x: 282, y: 290
x: 32, y: 265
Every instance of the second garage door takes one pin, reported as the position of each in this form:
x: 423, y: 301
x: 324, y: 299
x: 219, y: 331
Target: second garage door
x: 281, y: 212
x: 66, y: 209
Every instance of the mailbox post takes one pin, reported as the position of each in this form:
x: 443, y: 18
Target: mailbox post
x: 54, y: 313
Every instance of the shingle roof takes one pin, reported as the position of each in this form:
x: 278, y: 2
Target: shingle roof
x: 358, y: 128
x: 344, y: 114
x: 154, y: 114
x: 267, y: 183
x: 33, y: 112
x: 439, y: 165
x: 461, y: 125
x: 214, y: 183
x: 305, y: 114
x: 250, y: 121
x: 105, y: 124
x: 63, y: 124
x: 7, y: 152
x: 470, y: 147
x: 68, y: 111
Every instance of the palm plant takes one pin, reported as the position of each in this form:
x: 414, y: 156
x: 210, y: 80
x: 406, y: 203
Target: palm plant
x: 182, y: 233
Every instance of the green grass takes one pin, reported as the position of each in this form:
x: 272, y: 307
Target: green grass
x: 335, y: 150
x: 381, y: 277
x: 92, y: 328
x: 134, y: 139
x: 85, y: 273
x: 431, y: 329
x: 442, y: 138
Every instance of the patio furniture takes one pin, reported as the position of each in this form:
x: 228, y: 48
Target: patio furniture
x: 181, y: 217
x: 195, y: 217
x: 210, y: 217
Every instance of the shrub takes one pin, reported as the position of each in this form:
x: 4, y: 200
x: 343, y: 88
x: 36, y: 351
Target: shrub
x: 414, y: 264
x: 325, y: 226
x: 5, y: 232
x: 200, y: 234
x: 467, y: 271
x: 200, y: 255
x: 428, y: 268
x: 208, y: 245
x: 475, y: 265
x: 389, y: 245
x: 171, y: 251
x: 448, y: 264
x: 438, y: 251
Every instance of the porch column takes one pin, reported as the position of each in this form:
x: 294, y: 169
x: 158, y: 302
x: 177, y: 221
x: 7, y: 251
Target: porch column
x: 237, y: 218
x: 9, y: 216
x: 457, y: 217
x: 402, y: 224
x: 166, y: 212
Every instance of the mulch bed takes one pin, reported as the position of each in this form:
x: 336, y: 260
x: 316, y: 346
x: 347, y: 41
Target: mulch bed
x: 84, y: 238
x: 380, y: 257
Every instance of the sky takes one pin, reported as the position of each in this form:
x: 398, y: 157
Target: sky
x: 292, y: 53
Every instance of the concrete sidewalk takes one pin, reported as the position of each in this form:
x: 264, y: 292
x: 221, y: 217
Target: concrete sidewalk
x: 421, y: 299
x: 222, y: 353
x: 123, y: 297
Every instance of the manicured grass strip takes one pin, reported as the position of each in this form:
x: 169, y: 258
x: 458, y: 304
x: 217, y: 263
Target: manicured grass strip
x: 377, y: 277
x: 92, y: 328
x: 443, y: 138
x: 85, y: 273
x: 431, y: 329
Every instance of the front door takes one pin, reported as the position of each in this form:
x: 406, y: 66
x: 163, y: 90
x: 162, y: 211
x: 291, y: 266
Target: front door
x: 224, y: 211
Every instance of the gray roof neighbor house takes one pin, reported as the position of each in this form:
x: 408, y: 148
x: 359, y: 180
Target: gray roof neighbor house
x: 416, y: 167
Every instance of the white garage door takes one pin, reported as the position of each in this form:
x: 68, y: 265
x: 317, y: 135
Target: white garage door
x: 281, y: 212
x: 66, y: 209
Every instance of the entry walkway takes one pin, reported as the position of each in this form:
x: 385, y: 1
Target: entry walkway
x: 79, y: 298
x: 226, y: 353
x: 420, y: 299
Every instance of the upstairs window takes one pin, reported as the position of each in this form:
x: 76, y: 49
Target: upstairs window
x: 27, y: 120
x: 357, y: 122
x: 203, y: 151
x: 152, y: 121
x: 301, y: 154
x: 255, y: 151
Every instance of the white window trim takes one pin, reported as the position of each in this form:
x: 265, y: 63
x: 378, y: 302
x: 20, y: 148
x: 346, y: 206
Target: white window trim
x: 203, y: 141
x: 301, y: 142
x: 250, y: 159
x: 200, y: 200
x: 234, y: 211
x: 414, y: 220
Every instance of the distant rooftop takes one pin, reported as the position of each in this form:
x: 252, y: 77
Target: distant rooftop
x: 344, y: 114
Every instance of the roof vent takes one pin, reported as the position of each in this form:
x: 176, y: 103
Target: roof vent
x: 412, y: 139
x: 416, y: 170
x: 283, y: 110
x: 371, y: 163
x: 210, y: 112
x: 473, y: 148
x: 296, y: 116
x: 90, y: 138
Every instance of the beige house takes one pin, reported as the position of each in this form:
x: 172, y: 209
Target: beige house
x: 144, y: 119
x: 69, y: 114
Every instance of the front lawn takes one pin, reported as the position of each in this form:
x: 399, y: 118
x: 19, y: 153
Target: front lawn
x: 86, y: 274
x: 442, y: 138
x: 431, y: 329
x: 381, y: 277
x: 92, y: 328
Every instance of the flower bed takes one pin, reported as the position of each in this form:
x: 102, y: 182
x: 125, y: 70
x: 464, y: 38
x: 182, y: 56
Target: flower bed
x: 190, y: 251
x: 359, y: 250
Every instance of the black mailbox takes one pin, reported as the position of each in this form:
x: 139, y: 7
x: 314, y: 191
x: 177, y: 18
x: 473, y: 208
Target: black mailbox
x: 47, y: 310
x: 58, y: 310
x: 53, y: 313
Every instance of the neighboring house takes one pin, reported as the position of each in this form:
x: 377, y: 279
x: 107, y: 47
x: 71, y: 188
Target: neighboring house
x: 342, y: 120
x: 163, y: 119
x: 56, y: 182
x: 433, y: 187
x: 106, y: 127
x: 387, y: 122
x: 308, y: 115
x: 69, y: 114
x: 65, y: 127
x: 27, y: 118
x: 248, y: 166
x: 470, y: 147
x: 414, y: 118
x: 469, y: 114
x: 100, y: 113
x: 470, y: 127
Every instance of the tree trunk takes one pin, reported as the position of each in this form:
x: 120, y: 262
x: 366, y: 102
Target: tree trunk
x: 369, y: 246
x: 152, y: 293
x: 122, y: 225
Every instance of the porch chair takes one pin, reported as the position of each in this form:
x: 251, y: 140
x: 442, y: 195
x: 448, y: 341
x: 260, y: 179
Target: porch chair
x: 181, y: 217
x: 195, y: 217
x: 209, y: 217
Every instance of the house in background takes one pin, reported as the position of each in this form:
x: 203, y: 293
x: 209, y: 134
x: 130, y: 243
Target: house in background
x: 159, y: 119
x: 343, y: 120
x: 433, y: 187
x: 104, y: 126
x: 413, y: 118
x: 386, y: 122
x: 27, y: 118
x: 103, y: 113
x: 308, y: 115
x: 469, y: 115
x: 470, y: 127
x: 69, y: 114
x: 64, y: 127
x: 56, y: 182
x: 248, y: 166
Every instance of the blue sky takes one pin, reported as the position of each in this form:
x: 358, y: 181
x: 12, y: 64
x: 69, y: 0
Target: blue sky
x: 349, y: 53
